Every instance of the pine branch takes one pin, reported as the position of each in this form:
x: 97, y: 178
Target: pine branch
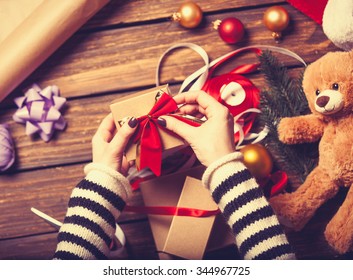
x: 279, y: 81
x: 284, y: 98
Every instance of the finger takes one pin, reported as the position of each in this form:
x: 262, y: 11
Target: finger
x: 124, y: 166
x: 106, y: 128
x: 204, y: 100
x: 180, y: 128
x: 123, y: 135
x: 191, y: 109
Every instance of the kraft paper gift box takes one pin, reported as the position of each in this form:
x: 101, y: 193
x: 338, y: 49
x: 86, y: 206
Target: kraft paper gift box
x: 139, y: 104
x: 183, y: 236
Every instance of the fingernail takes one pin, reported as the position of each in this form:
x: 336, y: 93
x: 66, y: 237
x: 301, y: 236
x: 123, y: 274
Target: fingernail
x: 132, y: 122
x: 162, y: 122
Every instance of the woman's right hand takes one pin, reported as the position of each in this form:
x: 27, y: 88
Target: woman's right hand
x: 215, y: 137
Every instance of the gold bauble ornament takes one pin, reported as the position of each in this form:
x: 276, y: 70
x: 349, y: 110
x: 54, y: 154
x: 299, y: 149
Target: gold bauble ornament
x: 258, y: 160
x: 189, y: 15
x: 276, y: 19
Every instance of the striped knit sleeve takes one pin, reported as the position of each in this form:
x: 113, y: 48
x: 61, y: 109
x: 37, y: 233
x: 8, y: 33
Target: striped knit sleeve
x: 94, y: 206
x: 258, y: 234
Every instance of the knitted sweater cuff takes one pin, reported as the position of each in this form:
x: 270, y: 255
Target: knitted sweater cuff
x: 221, y: 168
x: 107, y: 177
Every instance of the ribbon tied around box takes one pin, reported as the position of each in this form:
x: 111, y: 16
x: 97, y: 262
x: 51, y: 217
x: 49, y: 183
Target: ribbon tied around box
x: 148, y: 136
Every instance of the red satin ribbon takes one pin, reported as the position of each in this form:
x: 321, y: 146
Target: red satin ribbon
x: 213, y: 86
x: 171, y: 211
x: 242, y: 69
x: 148, y: 135
x: 278, y: 182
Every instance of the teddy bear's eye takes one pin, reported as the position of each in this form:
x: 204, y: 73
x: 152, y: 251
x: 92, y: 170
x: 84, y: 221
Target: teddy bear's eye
x: 335, y: 86
x: 317, y: 92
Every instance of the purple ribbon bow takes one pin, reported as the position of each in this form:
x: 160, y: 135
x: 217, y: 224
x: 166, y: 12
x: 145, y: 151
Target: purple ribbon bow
x: 39, y: 109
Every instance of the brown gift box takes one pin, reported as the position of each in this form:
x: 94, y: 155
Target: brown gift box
x: 182, y: 236
x: 139, y: 104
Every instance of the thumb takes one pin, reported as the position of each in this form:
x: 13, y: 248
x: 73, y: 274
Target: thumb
x: 122, y: 137
x: 180, y: 128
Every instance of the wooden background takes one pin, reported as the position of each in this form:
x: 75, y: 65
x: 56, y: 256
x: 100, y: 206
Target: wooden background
x: 113, y: 55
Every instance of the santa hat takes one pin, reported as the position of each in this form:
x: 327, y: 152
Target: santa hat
x: 335, y: 16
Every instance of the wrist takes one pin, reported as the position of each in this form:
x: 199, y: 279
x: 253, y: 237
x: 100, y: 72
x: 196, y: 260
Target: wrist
x: 222, y: 168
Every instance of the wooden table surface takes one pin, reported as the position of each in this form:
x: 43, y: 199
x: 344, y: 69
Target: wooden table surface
x: 113, y: 55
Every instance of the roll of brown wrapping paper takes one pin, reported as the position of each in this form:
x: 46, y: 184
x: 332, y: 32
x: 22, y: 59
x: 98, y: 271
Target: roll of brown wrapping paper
x: 49, y: 25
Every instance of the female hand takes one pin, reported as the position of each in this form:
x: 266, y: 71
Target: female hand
x: 215, y: 137
x: 108, y: 143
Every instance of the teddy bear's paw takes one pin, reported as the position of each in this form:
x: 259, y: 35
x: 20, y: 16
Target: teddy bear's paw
x: 289, y: 212
x: 286, y: 133
x: 339, y: 239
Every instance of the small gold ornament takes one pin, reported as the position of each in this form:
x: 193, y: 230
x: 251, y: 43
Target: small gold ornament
x: 189, y: 15
x: 258, y: 160
x: 276, y: 19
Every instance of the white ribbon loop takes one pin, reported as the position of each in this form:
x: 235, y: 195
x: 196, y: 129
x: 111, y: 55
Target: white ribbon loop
x: 202, y: 73
x: 119, y: 233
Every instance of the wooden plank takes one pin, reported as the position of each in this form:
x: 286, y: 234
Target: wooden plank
x: 42, y: 247
x: 48, y: 190
x: 74, y: 144
x: 124, y: 59
x: 120, y: 12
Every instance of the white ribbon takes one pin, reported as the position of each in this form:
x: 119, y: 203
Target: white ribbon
x: 202, y: 73
x: 238, y: 127
x: 119, y: 234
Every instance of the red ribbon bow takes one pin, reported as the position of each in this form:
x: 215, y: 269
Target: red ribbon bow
x: 148, y: 135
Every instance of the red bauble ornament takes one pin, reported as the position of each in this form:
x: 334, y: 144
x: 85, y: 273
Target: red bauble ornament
x: 231, y: 30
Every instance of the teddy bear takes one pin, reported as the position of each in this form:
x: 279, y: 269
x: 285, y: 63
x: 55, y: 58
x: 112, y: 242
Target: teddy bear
x: 328, y: 87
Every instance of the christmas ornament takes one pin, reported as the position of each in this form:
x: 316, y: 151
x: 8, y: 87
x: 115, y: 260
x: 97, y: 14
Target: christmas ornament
x: 276, y: 19
x: 258, y: 160
x: 189, y: 15
x: 40, y: 111
x: 231, y: 30
x: 7, y: 149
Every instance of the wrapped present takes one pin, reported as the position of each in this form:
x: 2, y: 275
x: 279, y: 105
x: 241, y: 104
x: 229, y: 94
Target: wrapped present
x: 151, y: 141
x: 186, y: 236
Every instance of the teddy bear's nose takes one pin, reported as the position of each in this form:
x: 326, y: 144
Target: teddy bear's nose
x: 322, y: 101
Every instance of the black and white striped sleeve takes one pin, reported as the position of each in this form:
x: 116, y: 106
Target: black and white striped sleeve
x: 258, y: 234
x: 95, y: 204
